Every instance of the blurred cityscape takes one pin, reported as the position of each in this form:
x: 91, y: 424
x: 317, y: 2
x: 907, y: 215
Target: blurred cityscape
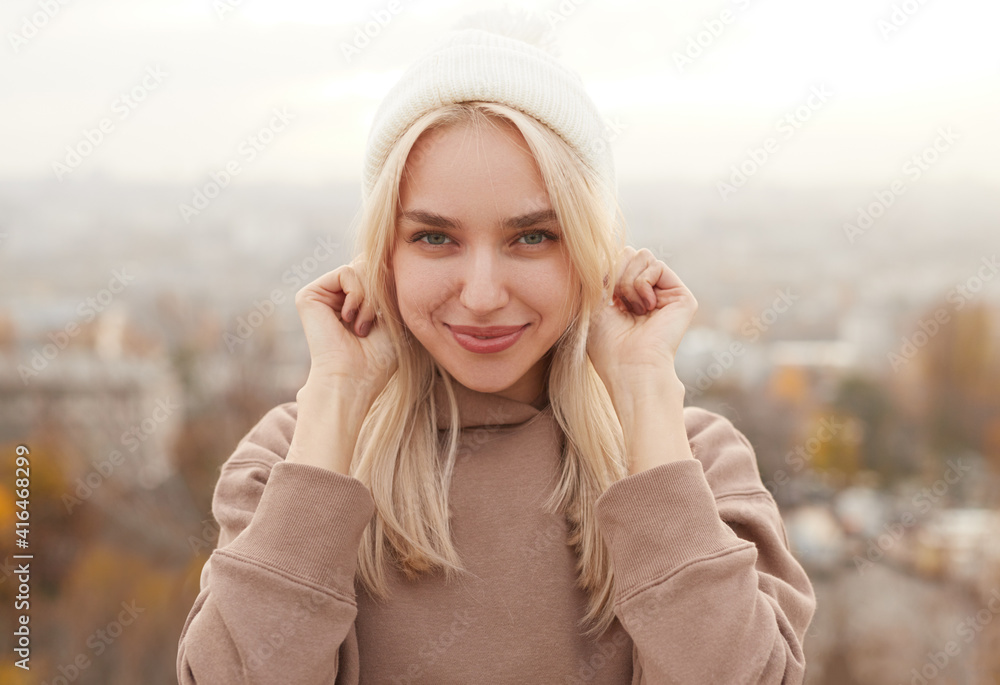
x: 863, y: 364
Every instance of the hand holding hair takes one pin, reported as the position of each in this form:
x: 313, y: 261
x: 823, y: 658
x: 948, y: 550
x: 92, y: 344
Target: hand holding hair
x: 633, y: 340
x: 331, y: 307
x: 352, y: 360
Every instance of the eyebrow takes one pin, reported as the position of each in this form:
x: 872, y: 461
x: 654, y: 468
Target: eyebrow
x: 511, y: 223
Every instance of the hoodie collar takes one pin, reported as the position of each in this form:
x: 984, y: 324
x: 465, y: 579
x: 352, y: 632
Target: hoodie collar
x: 482, y: 409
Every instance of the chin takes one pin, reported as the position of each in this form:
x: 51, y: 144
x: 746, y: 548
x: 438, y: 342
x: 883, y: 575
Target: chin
x: 484, y: 383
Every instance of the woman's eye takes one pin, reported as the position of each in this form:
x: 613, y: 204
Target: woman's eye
x: 539, y: 234
x: 432, y: 236
x: 419, y: 237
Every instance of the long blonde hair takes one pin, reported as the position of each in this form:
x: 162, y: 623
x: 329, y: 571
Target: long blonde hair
x: 399, y: 454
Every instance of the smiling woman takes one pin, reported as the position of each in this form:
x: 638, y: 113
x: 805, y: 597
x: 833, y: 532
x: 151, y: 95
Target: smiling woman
x: 489, y: 474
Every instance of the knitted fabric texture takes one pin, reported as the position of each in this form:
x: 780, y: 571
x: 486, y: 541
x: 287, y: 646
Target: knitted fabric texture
x: 474, y: 64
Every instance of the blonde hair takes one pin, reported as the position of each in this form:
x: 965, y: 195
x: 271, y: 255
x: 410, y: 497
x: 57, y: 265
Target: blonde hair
x: 399, y: 454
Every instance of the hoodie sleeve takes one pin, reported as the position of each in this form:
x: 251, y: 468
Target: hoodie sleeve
x: 705, y: 583
x: 277, y: 601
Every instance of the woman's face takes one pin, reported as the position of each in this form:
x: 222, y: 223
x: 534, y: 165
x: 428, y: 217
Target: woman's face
x: 478, y: 245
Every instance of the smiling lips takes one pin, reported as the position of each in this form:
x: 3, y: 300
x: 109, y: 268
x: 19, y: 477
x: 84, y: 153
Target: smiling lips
x: 488, y: 339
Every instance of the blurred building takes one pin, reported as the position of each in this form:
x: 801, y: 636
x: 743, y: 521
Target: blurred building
x: 118, y: 409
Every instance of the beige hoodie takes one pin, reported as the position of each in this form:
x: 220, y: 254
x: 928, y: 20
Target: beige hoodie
x: 707, y: 591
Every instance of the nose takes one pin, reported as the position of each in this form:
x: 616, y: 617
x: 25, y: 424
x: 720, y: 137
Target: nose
x: 483, y: 283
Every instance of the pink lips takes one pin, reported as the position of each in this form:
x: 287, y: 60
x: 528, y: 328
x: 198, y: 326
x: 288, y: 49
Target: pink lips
x: 497, y: 338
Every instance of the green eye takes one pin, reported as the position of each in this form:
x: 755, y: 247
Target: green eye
x: 551, y: 237
x: 421, y: 236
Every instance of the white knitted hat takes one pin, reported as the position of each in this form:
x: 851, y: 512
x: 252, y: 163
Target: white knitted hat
x: 479, y: 64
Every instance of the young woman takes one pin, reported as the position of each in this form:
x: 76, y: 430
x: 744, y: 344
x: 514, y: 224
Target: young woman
x: 489, y: 474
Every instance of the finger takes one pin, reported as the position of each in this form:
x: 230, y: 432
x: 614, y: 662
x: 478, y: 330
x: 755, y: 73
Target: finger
x: 668, y: 280
x: 644, y: 282
x: 365, y: 318
x: 352, y: 303
x: 639, y: 262
x: 320, y: 324
x: 624, y: 258
x: 354, y: 294
x: 670, y: 288
x: 328, y: 288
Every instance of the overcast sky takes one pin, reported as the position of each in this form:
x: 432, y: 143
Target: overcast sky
x: 894, y: 74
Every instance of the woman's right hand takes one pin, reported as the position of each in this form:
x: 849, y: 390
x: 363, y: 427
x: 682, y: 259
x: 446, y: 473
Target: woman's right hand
x: 348, y: 345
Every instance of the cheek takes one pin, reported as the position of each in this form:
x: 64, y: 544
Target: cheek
x: 419, y: 294
x: 555, y: 294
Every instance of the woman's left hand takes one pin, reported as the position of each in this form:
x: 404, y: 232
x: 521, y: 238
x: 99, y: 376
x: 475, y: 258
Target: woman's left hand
x: 634, y: 338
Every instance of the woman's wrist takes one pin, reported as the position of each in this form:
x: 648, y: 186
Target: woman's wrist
x: 328, y: 423
x: 651, y: 413
x: 640, y: 391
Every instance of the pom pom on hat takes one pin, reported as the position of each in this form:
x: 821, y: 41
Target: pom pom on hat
x: 523, y: 25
